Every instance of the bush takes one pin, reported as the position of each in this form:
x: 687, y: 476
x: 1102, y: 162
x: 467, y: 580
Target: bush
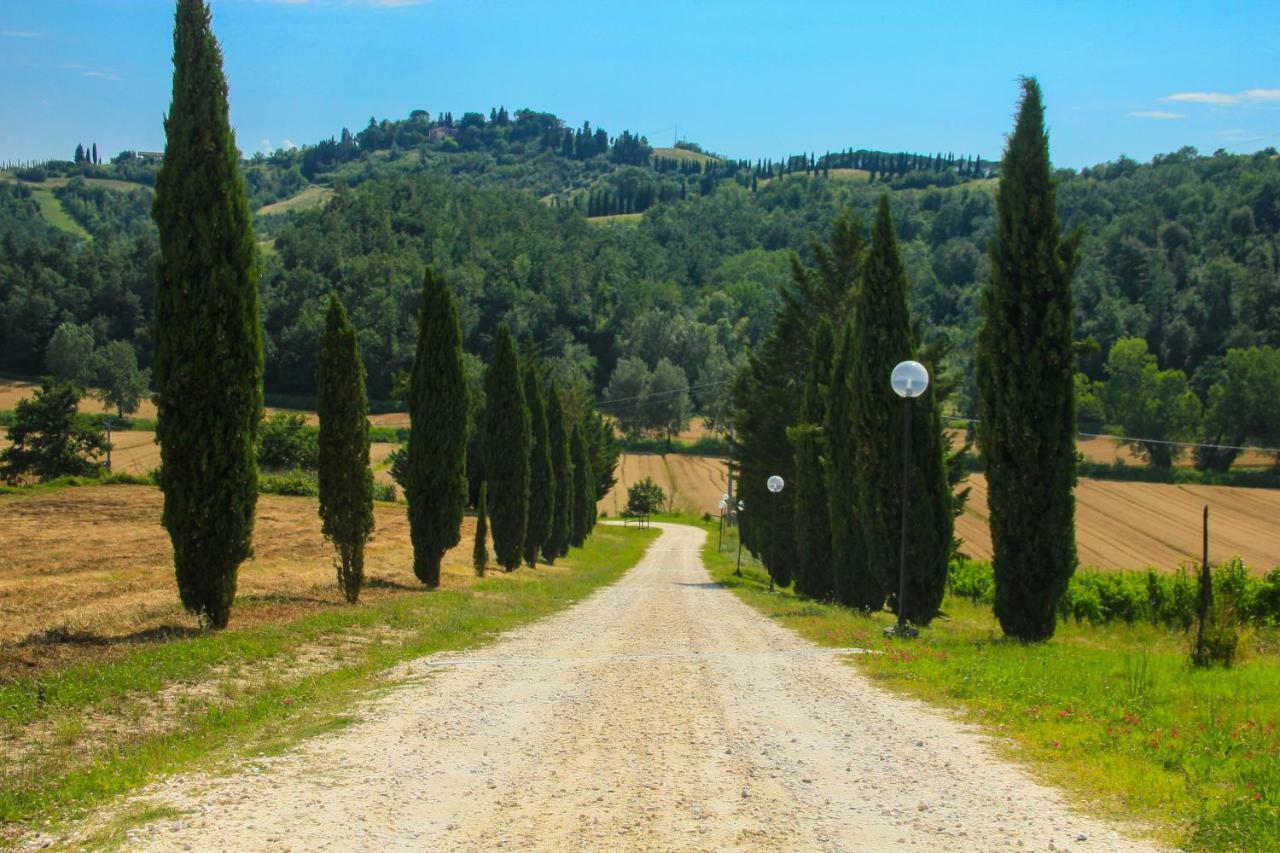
x: 286, y: 442
x: 645, y: 497
x: 295, y: 483
x: 384, y: 492
x: 1099, y: 597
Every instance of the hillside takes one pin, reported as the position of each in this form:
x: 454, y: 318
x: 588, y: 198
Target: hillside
x: 1183, y: 251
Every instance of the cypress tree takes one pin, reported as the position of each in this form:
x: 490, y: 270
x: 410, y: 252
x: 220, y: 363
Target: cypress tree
x: 882, y: 337
x: 506, y: 451
x: 346, y: 483
x: 541, y: 473
x: 583, y: 488
x: 557, y: 544
x: 480, y: 553
x: 855, y: 585
x: 208, y: 341
x: 813, y: 575
x: 436, y: 484
x: 1026, y: 385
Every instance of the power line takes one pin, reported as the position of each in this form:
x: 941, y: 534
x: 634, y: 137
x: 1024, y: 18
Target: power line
x: 660, y: 394
x: 1135, y: 440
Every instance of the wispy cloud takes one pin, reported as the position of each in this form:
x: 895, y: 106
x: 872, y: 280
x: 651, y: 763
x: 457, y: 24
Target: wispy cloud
x: 20, y: 34
x: 1225, y: 99
x: 102, y: 75
x: 1157, y: 114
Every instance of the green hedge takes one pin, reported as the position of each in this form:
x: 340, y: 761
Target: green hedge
x: 1247, y: 478
x: 705, y: 446
x: 1149, y: 596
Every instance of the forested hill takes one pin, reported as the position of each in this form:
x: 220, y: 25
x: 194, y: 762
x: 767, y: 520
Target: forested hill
x: 1183, y: 251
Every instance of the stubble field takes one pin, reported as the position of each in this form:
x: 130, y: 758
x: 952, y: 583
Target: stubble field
x: 1119, y: 525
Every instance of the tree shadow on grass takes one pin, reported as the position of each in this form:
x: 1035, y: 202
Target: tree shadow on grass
x: 64, y: 636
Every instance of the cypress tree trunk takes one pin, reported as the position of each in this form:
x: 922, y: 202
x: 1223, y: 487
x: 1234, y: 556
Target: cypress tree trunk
x: 506, y: 451
x: 855, y: 584
x: 583, y: 488
x: 1025, y: 382
x: 208, y: 340
x: 812, y: 522
x: 480, y: 554
x: 882, y: 337
x: 541, y: 473
x: 436, y: 483
x: 346, y: 483
x: 557, y: 544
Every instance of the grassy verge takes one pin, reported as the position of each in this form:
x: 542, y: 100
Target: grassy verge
x: 254, y: 697
x: 1111, y: 713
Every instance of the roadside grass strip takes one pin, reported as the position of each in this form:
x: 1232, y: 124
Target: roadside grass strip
x: 203, y: 700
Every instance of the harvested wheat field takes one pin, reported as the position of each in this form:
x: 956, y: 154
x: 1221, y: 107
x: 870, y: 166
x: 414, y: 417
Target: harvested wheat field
x: 85, y: 569
x: 693, y: 484
x: 12, y: 391
x: 1134, y: 525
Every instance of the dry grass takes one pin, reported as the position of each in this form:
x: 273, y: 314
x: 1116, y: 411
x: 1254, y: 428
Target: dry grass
x: 309, y: 199
x: 694, y: 484
x: 87, y: 572
x: 1123, y: 525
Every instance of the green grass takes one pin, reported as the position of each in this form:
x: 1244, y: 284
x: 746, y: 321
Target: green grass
x: 1112, y: 714
x: 275, y: 709
x: 56, y: 215
x: 620, y: 218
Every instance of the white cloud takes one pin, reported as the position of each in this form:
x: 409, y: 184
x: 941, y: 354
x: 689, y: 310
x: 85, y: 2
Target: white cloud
x: 1248, y: 96
x: 20, y: 34
x: 289, y: 145
x: 1157, y: 114
x: 102, y: 75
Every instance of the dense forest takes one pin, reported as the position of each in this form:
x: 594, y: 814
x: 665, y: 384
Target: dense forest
x: 1182, y: 252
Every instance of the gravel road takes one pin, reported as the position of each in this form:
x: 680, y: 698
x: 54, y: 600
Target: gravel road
x: 660, y: 713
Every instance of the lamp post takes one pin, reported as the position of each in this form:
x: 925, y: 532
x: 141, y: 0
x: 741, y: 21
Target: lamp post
x: 909, y: 380
x: 724, y: 503
x: 775, y: 484
x: 738, y: 569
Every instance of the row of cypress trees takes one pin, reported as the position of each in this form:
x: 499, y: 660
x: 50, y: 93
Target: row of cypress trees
x: 541, y: 489
x: 539, y: 469
x: 844, y: 325
x: 847, y: 441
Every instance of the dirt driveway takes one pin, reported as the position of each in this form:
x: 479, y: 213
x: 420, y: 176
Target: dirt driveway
x: 660, y: 713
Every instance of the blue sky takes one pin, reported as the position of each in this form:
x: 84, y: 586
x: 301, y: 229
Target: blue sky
x: 744, y: 79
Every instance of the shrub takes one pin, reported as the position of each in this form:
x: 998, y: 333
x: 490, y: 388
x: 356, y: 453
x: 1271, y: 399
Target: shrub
x: 645, y: 497
x: 285, y: 442
x: 295, y: 483
x: 384, y: 492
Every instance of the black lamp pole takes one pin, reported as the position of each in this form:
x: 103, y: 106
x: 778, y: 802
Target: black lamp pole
x: 906, y: 503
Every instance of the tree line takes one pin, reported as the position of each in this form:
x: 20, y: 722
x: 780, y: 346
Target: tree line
x: 814, y: 405
x: 208, y: 366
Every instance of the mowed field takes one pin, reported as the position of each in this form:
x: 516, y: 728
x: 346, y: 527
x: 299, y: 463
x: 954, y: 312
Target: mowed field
x: 693, y: 484
x: 84, y: 570
x: 1119, y: 525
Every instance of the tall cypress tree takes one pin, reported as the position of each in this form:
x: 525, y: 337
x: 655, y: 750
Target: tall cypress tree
x: 480, y: 551
x: 855, y: 584
x: 882, y: 337
x: 1026, y: 385
x: 812, y: 523
x: 766, y: 395
x: 506, y: 451
x: 541, y: 473
x: 208, y: 339
x: 584, y: 489
x: 346, y: 483
x: 436, y: 485
x: 557, y: 543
